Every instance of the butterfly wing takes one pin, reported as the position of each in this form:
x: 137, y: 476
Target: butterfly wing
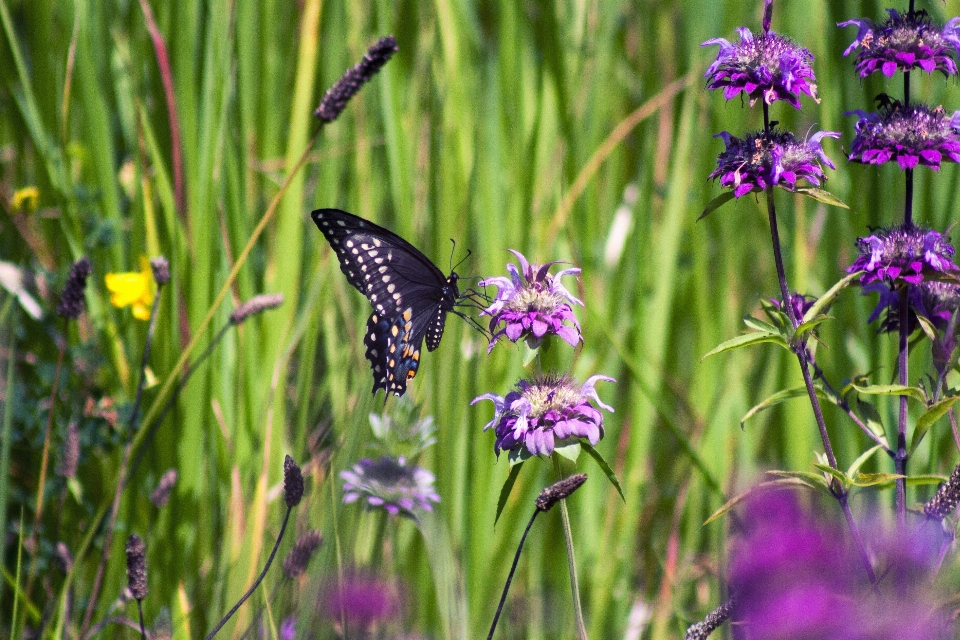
x: 410, y: 296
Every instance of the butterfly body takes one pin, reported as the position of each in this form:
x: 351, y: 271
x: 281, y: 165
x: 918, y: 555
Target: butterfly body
x: 410, y: 296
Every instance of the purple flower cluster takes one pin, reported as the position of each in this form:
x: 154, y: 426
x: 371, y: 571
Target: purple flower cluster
x: 544, y: 413
x: 777, y: 158
x: 903, y: 255
x: 935, y: 301
x: 794, y: 577
x: 532, y: 303
x: 799, y: 303
x: 390, y: 484
x: 905, y: 41
x: 768, y: 66
x: 911, y: 135
x: 361, y: 601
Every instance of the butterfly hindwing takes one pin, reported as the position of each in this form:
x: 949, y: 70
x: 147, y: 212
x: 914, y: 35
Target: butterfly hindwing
x: 410, y: 296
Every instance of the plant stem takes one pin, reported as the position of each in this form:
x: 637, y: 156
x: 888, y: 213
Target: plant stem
x: 513, y: 570
x: 571, y: 560
x: 900, y: 459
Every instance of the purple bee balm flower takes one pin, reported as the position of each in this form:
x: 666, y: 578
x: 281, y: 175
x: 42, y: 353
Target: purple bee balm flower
x: 767, y: 66
x: 794, y: 576
x: 390, y: 484
x: 546, y: 412
x: 903, y: 255
x: 904, y: 42
x: 532, y: 303
x: 798, y: 302
x: 911, y: 135
x: 777, y: 158
x: 361, y: 601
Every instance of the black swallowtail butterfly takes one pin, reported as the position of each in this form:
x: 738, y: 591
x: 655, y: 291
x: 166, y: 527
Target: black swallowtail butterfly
x: 410, y: 296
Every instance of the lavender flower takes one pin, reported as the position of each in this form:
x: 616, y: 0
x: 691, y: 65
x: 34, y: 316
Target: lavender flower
x: 903, y: 255
x: 774, y: 158
x: 361, y: 600
x: 911, y: 135
x: 935, y: 301
x: 391, y: 484
x: 300, y: 554
x: 904, y: 42
x: 546, y: 412
x: 532, y: 303
x: 767, y: 66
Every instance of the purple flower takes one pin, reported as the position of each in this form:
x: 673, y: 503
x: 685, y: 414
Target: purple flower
x: 911, y: 135
x: 903, y: 255
x: 390, y: 484
x: 360, y: 600
x: 768, y: 66
x: 793, y: 576
x: 532, y: 303
x: 544, y: 413
x: 798, y: 302
x: 776, y: 158
x: 904, y: 42
x: 933, y: 300
x: 288, y: 630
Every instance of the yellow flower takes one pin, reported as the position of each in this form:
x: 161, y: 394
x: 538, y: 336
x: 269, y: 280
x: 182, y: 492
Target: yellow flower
x: 25, y: 199
x: 133, y: 288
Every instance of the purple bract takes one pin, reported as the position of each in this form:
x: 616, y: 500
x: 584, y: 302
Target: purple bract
x: 390, y: 484
x: 777, y: 158
x: 911, y: 135
x: 904, y: 42
x: 546, y: 412
x: 767, y: 66
x: 531, y: 303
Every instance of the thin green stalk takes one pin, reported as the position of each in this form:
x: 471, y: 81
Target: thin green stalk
x: 571, y: 560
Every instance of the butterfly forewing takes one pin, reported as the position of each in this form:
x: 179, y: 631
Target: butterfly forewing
x: 410, y: 296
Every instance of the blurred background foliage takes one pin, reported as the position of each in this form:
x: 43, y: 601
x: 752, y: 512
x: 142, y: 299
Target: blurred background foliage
x: 577, y: 130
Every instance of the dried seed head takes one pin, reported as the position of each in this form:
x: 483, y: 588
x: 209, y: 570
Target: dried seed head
x: 702, y: 630
x: 292, y: 482
x: 337, y: 97
x: 161, y: 494
x: 71, y: 452
x: 161, y: 270
x: 136, y: 567
x: 946, y: 499
x: 255, y: 305
x: 299, y: 557
x: 71, y: 300
x: 559, y: 490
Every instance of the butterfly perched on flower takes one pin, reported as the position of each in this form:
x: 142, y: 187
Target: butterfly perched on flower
x: 409, y: 294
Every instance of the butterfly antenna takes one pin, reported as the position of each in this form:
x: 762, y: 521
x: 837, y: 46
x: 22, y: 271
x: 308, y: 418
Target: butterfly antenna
x: 454, y: 266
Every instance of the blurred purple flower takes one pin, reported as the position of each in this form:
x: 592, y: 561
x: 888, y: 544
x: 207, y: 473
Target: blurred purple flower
x: 767, y: 66
x: 288, y: 630
x: 532, y: 303
x: 390, y: 484
x: 546, y: 412
x: 911, y: 135
x: 935, y: 301
x: 798, y: 302
x: 361, y: 601
x: 903, y: 255
x: 777, y: 158
x: 905, y: 41
x: 794, y: 577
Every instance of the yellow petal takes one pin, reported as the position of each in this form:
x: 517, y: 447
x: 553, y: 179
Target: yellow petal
x: 141, y: 311
x: 25, y: 199
x: 126, y: 288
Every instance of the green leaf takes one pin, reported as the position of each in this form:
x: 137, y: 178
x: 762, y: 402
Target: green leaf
x: 836, y: 473
x: 871, y: 416
x: 716, y: 203
x: 518, y: 456
x: 760, y: 325
x: 859, y: 462
x: 746, y: 340
x: 823, y: 302
x: 569, y: 451
x: 821, y: 195
x: 506, y: 489
x: 529, y: 355
x: 808, y: 478
x: 873, y: 479
x: 809, y: 325
x: 763, y: 486
x: 933, y: 413
x: 774, y: 400
x: 611, y: 476
x: 892, y: 390
x: 925, y: 479
x: 927, y: 326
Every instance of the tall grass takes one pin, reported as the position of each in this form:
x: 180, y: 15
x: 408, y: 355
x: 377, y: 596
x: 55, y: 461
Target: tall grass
x: 476, y: 131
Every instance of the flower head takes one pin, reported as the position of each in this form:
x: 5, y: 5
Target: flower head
x: 903, y: 255
x: 935, y: 301
x: 390, y: 484
x: 905, y: 41
x: 337, y: 97
x: 911, y: 135
x: 777, y: 158
x: 768, y: 66
x: 361, y: 600
x: 71, y: 300
x: 134, y: 288
x: 546, y: 412
x: 532, y: 303
x: 299, y: 556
